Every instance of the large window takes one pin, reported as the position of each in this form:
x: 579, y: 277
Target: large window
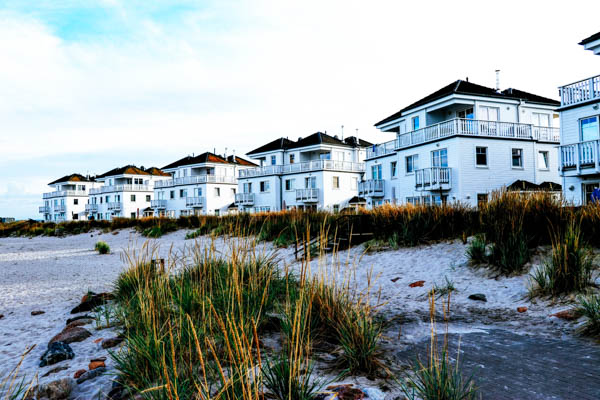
x: 415, y: 123
x: 376, y: 172
x: 539, y: 119
x: 310, y: 182
x: 292, y: 158
x: 489, y: 113
x: 481, y: 156
x: 393, y: 169
x: 289, y: 184
x: 467, y: 113
x: 517, y: 158
x: 412, y: 163
x: 589, y: 128
x: 439, y: 158
x: 543, y: 160
x: 264, y: 186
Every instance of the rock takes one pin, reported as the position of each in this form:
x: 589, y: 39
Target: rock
x: 70, y: 335
x: 478, y: 297
x: 87, y: 316
x: 567, y: 315
x: 346, y: 392
x: 38, y: 312
x: 55, y: 370
x: 1, y: 316
x: 79, y: 322
x: 112, y: 342
x: 99, y: 359
x: 96, y: 364
x: 92, y: 301
x: 117, y: 392
x: 98, y: 340
x: 521, y: 309
x: 57, y: 351
x: 91, y: 374
x: 56, y: 390
x: 417, y: 284
x: 78, y: 373
x: 395, y: 279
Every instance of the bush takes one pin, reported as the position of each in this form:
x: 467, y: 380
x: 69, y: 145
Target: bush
x: 102, y: 247
x: 476, y: 251
x: 589, y: 307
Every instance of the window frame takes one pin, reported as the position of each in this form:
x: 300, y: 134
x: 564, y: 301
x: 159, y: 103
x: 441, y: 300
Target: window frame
x: 415, y: 165
x: 445, y: 149
x: 486, y: 165
x: 546, y: 160
x: 394, y: 169
x: 597, y: 118
x: 335, y: 179
x: 512, y: 149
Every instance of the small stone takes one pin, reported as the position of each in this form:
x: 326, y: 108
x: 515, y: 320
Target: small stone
x: 99, y: 359
x: 98, y: 340
x: 56, y: 390
x: 1, y: 316
x: 521, y: 309
x: 417, y: 284
x: 38, y: 312
x: 87, y: 316
x: 55, y: 370
x: 478, y: 297
x: 112, y: 342
x: 71, y: 335
x: 79, y: 322
x: 91, y: 374
x: 567, y: 315
x: 395, y: 279
x: 57, y: 351
x: 96, y: 364
x: 78, y: 373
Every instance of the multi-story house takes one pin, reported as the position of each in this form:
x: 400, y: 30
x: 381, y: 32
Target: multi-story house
x: 462, y: 142
x: 316, y: 172
x: 125, y: 192
x: 67, y: 201
x: 199, y: 185
x: 580, y: 134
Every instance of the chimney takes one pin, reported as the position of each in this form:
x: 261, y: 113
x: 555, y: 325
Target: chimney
x: 342, y: 132
x: 498, y: 80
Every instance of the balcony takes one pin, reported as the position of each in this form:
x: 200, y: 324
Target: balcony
x: 244, y: 199
x: 309, y: 166
x: 580, y: 92
x: 114, y: 206
x: 382, y: 149
x: 63, y: 193
x: 307, y: 195
x: 44, y: 210
x: 194, y: 180
x: 194, y: 202
x: 582, y: 157
x: 59, y: 208
x: 371, y: 188
x: 434, y: 178
x: 121, y: 188
x: 91, y: 208
x: 158, y: 204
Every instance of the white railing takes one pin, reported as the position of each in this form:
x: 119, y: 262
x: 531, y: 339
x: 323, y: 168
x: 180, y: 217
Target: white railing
x: 316, y: 165
x: 579, y: 92
x: 91, y: 208
x: 59, y: 208
x: 62, y: 193
x: 195, y: 202
x: 44, y: 209
x: 244, y: 198
x: 580, y: 155
x: 160, y: 204
x: 434, y: 178
x: 121, y: 188
x: 371, y: 187
x: 307, y: 195
x: 382, y: 149
x: 192, y: 180
x: 114, y: 206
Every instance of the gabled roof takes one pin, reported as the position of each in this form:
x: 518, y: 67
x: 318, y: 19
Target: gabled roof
x: 240, y: 161
x: 593, y: 38
x: 207, y: 157
x: 72, y: 178
x: 277, y: 144
x: 469, y: 88
x: 317, y: 138
x: 132, y: 170
x: 156, y: 171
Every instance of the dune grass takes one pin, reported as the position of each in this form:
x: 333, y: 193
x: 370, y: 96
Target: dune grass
x: 102, y: 247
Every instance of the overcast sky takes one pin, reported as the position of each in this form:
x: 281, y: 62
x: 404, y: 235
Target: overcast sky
x: 86, y: 86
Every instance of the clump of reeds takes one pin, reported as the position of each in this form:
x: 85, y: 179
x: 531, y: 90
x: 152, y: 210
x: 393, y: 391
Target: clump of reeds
x: 102, y: 247
x: 14, y: 387
x: 589, y: 307
x: 477, y: 250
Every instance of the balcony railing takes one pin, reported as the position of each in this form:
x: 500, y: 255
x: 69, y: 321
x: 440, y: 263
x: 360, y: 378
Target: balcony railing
x: 44, y: 210
x: 579, y: 92
x: 63, y: 193
x: 91, y: 208
x: 192, y: 180
x: 434, y: 178
x: 244, y: 199
x: 194, y: 202
x: 371, y: 188
x: 59, y: 208
x: 158, y: 204
x: 582, y: 155
x: 121, y: 188
x: 307, y: 195
x: 382, y: 149
x: 316, y: 165
x: 114, y: 206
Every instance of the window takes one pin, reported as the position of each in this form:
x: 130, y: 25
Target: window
x: 489, y: 113
x: 439, y: 158
x: 412, y: 163
x: 172, y: 194
x: 336, y: 182
x: 75, y: 201
x: 336, y: 208
x: 543, y: 160
x: 273, y: 160
x: 481, y: 156
x: 376, y: 172
x: 393, y: 168
x: 310, y: 182
x: 482, y: 199
x: 107, y: 199
x: 289, y: 184
x: 415, y: 123
x: 198, y: 192
x: 133, y: 197
x: 466, y: 114
x: 132, y: 215
x: 217, y: 192
x: 589, y: 129
x: 247, y: 187
x: 292, y: 158
x: 147, y: 197
x: 325, y: 156
x: 182, y: 193
x: 539, y: 119
x: 100, y: 200
x: 264, y: 186
x: 233, y: 191
x: 517, y: 158
x: 217, y: 212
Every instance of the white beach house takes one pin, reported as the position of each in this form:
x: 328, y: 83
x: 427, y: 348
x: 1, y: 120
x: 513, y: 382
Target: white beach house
x: 462, y: 142
x: 126, y: 192
x: 199, y: 185
x: 67, y: 202
x: 318, y: 172
x: 580, y: 134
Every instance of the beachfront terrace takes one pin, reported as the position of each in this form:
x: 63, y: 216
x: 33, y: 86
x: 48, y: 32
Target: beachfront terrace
x: 63, y: 193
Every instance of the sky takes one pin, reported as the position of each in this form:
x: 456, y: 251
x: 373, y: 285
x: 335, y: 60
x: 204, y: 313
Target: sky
x: 90, y: 85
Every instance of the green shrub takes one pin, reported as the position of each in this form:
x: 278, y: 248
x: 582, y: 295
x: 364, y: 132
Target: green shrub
x: 589, y: 307
x: 476, y: 251
x: 288, y: 379
x: 102, y: 247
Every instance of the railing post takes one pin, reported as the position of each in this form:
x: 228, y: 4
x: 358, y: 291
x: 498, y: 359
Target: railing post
x: 577, y: 157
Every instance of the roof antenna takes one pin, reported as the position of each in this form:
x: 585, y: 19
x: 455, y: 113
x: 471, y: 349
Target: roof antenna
x: 498, y: 80
x: 356, y: 133
x: 467, y: 79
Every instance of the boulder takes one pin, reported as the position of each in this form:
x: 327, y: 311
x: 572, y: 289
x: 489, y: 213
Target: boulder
x: 78, y: 373
x: 80, y: 317
x: 91, y: 374
x: 92, y: 300
x: 38, y: 312
x: 96, y: 364
x: 417, y: 284
x: 56, y: 390
x: 111, y: 342
x: 70, y: 335
x: 478, y: 297
x: 57, y: 351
